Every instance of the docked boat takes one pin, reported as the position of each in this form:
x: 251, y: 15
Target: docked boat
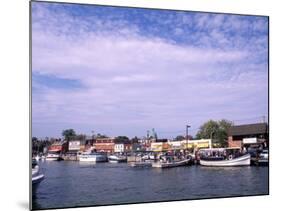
x: 170, y: 164
x: 93, y: 157
x: 263, y: 158
x: 225, y: 157
x: 53, y: 156
x: 140, y: 164
x: 37, y: 158
x: 117, y: 158
x: 37, y: 177
x: 148, y: 157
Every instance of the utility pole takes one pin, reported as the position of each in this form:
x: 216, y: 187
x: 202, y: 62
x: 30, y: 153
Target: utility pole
x: 187, y: 126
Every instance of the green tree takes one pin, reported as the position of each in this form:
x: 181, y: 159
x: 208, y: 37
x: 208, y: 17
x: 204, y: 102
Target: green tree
x: 216, y: 130
x: 68, y: 134
x: 222, y: 134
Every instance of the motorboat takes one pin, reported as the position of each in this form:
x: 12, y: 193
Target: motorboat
x: 93, y: 157
x: 263, y: 158
x: 37, y: 176
x: 170, y: 164
x: 37, y: 158
x: 117, y: 158
x: 224, y: 157
x: 141, y: 164
x: 53, y: 157
x: 148, y: 157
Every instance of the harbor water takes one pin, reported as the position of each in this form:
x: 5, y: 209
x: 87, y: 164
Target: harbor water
x: 70, y: 183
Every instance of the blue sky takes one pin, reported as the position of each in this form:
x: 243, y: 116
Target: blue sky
x: 123, y: 71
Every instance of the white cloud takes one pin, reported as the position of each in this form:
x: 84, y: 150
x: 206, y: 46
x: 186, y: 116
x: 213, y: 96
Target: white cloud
x: 133, y: 80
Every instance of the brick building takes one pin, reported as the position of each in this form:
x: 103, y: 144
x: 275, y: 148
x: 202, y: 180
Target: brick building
x: 104, y: 145
x: 248, y: 135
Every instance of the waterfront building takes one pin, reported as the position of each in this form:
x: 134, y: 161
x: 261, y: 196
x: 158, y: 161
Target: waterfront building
x: 199, y: 144
x: 58, y: 147
x: 178, y: 145
x: 139, y: 147
x: 191, y: 144
x: 74, y: 146
x: 86, y: 144
x: 160, y: 146
x: 104, y: 145
x: 248, y: 135
x: 123, y: 147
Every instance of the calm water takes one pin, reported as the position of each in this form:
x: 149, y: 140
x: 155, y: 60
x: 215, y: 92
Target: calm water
x: 71, y: 184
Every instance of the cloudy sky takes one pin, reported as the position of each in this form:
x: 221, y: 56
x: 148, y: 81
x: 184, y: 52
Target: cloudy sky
x: 123, y: 71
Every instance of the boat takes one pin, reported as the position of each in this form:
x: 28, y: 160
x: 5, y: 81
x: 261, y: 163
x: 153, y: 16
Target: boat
x: 53, y: 156
x: 93, y: 157
x: 224, y: 157
x: 117, y: 158
x: 37, y: 158
x: 170, y: 164
x: 37, y: 176
x: 263, y: 158
x: 148, y: 157
x: 141, y: 164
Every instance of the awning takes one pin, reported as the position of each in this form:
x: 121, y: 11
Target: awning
x: 54, y: 150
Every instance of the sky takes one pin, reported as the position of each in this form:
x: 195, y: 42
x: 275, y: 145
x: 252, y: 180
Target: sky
x: 123, y: 71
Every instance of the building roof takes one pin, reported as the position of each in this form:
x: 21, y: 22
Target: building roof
x: 249, y: 129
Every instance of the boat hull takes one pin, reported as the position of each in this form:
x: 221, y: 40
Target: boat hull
x: 93, y: 158
x: 244, y: 160
x: 37, y: 179
x: 171, y: 165
x: 51, y: 158
x: 117, y: 159
x: 140, y: 164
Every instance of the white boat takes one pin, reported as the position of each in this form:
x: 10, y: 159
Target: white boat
x: 53, y: 156
x: 148, y: 157
x: 37, y: 177
x: 93, y: 157
x: 263, y: 158
x: 117, y: 158
x: 244, y: 160
x: 170, y: 164
x: 37, y: 158
x: 141, y: 164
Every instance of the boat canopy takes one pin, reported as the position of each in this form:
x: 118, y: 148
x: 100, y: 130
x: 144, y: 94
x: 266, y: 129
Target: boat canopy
x: 212, y: 150
x: 54, y: 150
x: 229, y: 148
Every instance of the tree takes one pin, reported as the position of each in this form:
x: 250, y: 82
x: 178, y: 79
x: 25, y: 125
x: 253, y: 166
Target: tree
x: 101, y: 136
x: 222, y: 134
x: 179, y: 138
x: 207, y: 130
x: 135, y: 139
x: 80, y: 137
x: 68, y: 134
x: 121, y: 139
x: 216, y: 130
